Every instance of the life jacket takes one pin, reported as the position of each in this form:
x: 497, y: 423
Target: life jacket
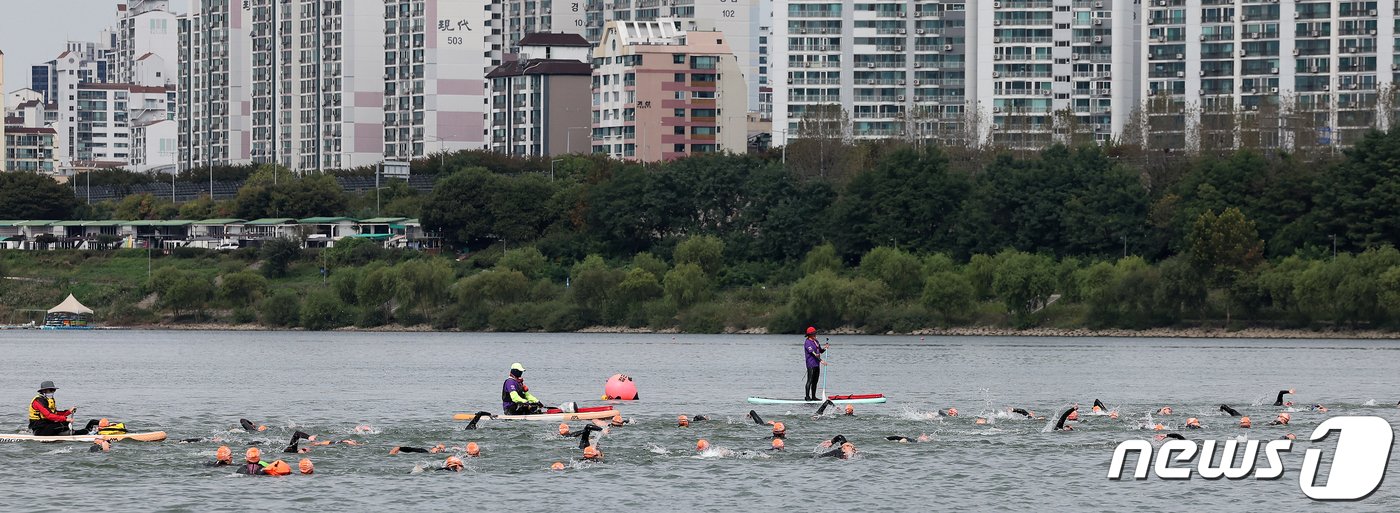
x: 505, y: 390
x: 47, y: 401
x: 113, y: 429
x: 277, y: 468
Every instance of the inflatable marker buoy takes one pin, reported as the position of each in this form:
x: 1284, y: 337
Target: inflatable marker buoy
x: 620, y: 388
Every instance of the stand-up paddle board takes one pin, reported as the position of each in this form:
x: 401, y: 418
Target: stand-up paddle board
x: 838, y: 399
x: 552, y: 416
x: 154, y: 436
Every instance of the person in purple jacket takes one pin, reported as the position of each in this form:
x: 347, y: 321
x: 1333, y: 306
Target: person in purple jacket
x: 515, y: 396
x: 813, y: 350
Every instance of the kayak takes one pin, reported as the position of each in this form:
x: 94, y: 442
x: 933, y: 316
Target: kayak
x: 549, y: 417
x: 838, y: 399
x: 154, y: 436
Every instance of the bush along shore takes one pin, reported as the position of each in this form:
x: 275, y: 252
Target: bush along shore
x: 870, y: 237
x: 888, y: 291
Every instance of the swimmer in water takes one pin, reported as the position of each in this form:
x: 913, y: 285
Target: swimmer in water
x: 1280, y: 402
x: 1318, y: 408
x: 592, y: 453
x: 779, y: 430
x: 778, y: 444
x: 452, y: 464
x: 834, y: 441
x: 479, y: 415
x: 1281, y: 420
x: 1193, y: 423
x: 1173, y: 436
x: 821, y: 410
x: 905, y: 439
x: 253, y: 463
x: 950, y: 412
x: 222, y: 457
x: 431, y: 450
x: 850, y: 411
x: 1060, y: 424
x: 1165, y: 410
x: 584, y: 437
x: 845, y: 452
x: 1029, y: 414
x: 1245, y: 422
x: 1099, y: 407
x: 297, y: 437
x: 100, y: 445
x: 1227, y: 409
x: 756, y: 419
x: 250, y: 427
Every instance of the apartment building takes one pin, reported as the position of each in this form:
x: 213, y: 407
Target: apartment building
x: 29, y: 149
x: 540, y: 101
x: 147, y: 39
x: 661, y: 92
x: 434, y: 89
x: 214, y: 84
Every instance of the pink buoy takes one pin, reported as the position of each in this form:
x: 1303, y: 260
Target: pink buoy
x: 620, y: 387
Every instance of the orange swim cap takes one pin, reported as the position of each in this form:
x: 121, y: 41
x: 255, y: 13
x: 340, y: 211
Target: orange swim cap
x: 558, y: 465
x: 1158, y: 427
x: 223, y: 454
x: 453, y: 463
x: 1244, y: 422
x: 1166, y: 410
x: 1193, y: 422
x: 779, y: 428
x: 1073, y: 415
x: 253, y: 455
x: 590, y: 453
x: 102, y: 424
x: 850, y: 410
x: 473, y: 449
x: 262, y: 428
x: 1113, y: 415
x: 617, y: 420
x: 981, y: 421
x: 702, y: 445
x: 563, y: 430
x: 777, y: 443
x: 952, y: 412
x: 1283, y: 418
x: 681, y: 421
x: 1096, y: 409
x: 305, y: 466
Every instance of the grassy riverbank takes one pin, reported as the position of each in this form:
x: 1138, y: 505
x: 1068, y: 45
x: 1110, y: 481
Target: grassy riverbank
x: 695, y: 291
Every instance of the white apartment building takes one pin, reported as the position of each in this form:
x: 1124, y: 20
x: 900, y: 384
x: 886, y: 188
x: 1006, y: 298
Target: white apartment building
x: 214, y: 84
x: 434, y: 87
x: 1286, y: 72
x: 519, y: 18
x: 147, y: 39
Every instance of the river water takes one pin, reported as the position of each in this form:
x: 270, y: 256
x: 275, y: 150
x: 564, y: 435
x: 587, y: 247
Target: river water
x: 407, y: 385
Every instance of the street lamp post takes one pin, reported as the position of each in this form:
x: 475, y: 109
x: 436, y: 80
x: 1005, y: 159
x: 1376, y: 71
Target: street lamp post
x: 785, y: 143
x: 551, y: 168
x: 1334, y: 245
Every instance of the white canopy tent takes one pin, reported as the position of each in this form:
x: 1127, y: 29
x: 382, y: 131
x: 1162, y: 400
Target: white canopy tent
x: 71, y: 305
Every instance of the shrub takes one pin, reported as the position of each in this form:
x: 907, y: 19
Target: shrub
x: 686, y: 285
x: 706, y: 251
x: 323, y: 310
x: 281, y: 309
x: 277, y: 255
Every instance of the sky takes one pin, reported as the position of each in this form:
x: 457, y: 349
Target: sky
x: 34, y: 31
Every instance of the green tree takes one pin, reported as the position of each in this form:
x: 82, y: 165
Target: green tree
x: 242, y: 288
x: 277, y: 255
x: 375, y: 287
x: 1356, y: 200
x: 821, y: 257
x: 949, y: 294
x: 351, y: 251
x: 902, y: 272
x: 1224, y: 247
x: 686, y: 285
x: 422, y: 283
x: 323, y: 310
x: 1024, y: 282
x: 34, y: 196
x: 638, y: 286
x: 275, y: 192
x: 497, y: 287
x: 816, y: 299
x: 528, y: 260
x: 706, y: 251
x: 650, y: 263
x: 909, y: 200
x: 281, y: 309
x: 190, y: 294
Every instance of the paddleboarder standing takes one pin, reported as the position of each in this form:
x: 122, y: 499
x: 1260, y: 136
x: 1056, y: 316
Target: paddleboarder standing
x: 813, y: 351
x: 515, y: 396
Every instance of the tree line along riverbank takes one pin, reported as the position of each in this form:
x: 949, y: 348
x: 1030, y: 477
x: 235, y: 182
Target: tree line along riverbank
x: 872, y: 237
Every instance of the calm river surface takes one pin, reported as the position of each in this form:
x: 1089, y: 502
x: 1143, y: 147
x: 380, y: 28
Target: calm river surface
x: 407, y: 386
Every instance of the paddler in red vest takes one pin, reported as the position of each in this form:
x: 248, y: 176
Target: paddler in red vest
x: 515, y: 396
x: 45, y: 419
x: 813, y: 351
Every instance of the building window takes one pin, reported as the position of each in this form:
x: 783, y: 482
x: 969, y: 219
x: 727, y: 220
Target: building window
x: 678, y: 58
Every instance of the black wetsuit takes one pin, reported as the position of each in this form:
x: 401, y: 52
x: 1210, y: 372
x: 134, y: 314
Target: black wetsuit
x: 1279, y: 400
x: 1101, y: 405
x: 1060, y: 424
x: 251, y: 469
x: 824, y: 406
x: 834, y: 453
x: 217, y: 463
x: 1021, y: 411
x: 584, y: 436
x: 699, y: 418
x: 96, y: 448
x: 1174, y: 436
x: 297, y: 437
x: 756, y: 419
x: 248, y: 425
x: 837, y: 440
x: 1227, y: 409
x: 414, y: 449
x: 479, y: 415
x: 943, y: 413
x: 897, y: 438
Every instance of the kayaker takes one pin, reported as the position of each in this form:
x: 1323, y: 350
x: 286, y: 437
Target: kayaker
x: 516, y: 398
x: 45, y: 419
x: 813, y: 352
